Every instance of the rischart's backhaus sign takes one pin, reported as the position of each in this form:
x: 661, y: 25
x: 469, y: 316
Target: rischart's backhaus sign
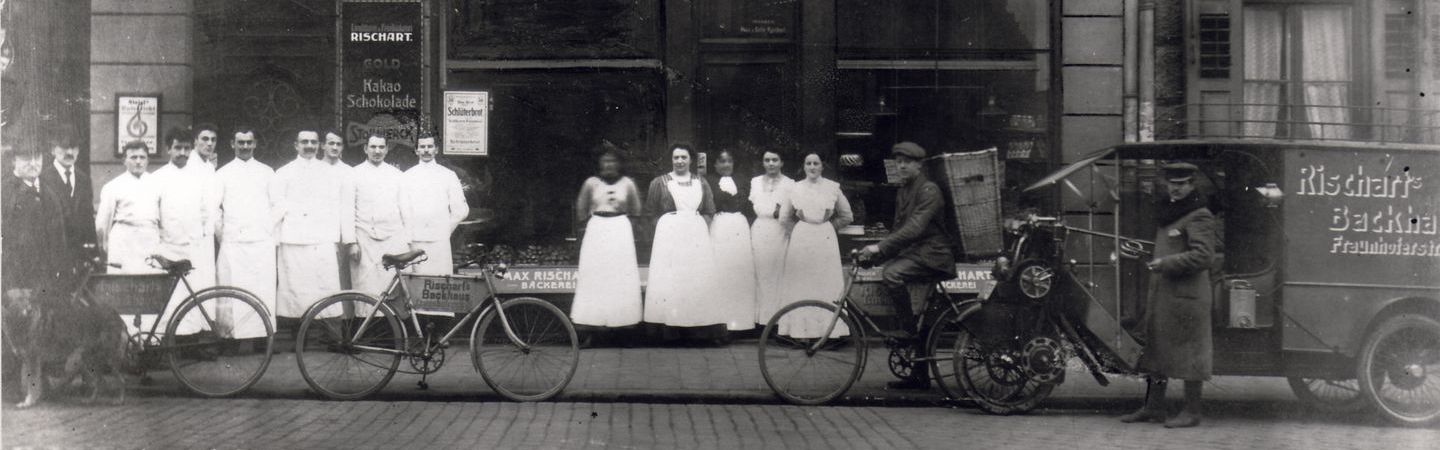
x: 1371, y: 218
x: 381, y: 57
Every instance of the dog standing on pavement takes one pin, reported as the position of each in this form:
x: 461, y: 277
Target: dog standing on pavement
x: 77, y: 337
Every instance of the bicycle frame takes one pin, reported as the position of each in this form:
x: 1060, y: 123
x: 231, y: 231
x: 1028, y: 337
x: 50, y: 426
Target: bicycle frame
x: 396, y: 289
x: 846, y: 305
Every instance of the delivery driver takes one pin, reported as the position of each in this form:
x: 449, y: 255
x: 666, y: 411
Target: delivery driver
x: 917, y: 251
x: 1177, y: 317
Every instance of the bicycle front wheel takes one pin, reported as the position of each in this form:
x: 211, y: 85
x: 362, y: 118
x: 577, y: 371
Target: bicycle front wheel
x: 801, y: 372
x: 345, y: 352
x: 538, y: 362
x: 219, y: 342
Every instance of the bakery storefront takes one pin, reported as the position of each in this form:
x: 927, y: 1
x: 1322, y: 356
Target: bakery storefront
x: 527, y: 93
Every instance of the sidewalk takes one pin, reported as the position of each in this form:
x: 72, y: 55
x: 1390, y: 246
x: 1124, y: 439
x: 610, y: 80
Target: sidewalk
x: 710, y: 375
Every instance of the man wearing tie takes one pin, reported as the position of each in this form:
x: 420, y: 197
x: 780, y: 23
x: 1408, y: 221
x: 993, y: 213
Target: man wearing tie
x: 74, y: 188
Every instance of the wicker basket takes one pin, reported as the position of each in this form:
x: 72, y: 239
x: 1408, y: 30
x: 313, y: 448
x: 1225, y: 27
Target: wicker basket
x: 972, y: 183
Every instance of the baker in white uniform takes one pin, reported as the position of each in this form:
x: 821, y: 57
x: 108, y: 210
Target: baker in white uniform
x: 127, y: 220
x: 186, y: 219
x: 332, y: 147
x: 246, y: 232
x: 379, y: 227
x: 434, y: 205
x: 309, y: 203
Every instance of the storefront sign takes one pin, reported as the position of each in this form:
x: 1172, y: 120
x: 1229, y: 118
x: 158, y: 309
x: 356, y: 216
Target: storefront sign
x: 454, y: 294
x: 382, y: 86
x: 467, y: 123
x: 137, y: 119
x: 969, y: 279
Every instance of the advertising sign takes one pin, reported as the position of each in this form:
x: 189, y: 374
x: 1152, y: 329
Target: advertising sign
x: 381, y: 65
x: 1362, y: 218
x: 467, y: 123
x: 137, y: 119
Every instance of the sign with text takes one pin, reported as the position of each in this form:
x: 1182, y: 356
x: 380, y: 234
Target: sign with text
x: 452, y: 294
x: 1362, y: 218
x: 382, y: 86
x: 969, y: 279
x: 467, y: 123
x: 137, y: 119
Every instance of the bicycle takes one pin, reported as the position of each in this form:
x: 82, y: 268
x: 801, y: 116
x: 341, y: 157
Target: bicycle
x: 834, y: 363
x: 199, y: 342
x: 350, y: 344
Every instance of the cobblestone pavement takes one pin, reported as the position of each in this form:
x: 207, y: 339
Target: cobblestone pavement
x: 156, y: 422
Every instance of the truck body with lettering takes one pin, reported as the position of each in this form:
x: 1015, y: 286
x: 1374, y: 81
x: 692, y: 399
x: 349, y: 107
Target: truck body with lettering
x: 1328, y: 271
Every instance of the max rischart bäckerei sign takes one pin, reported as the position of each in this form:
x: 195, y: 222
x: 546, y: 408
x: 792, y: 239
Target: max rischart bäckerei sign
x: 381, y: 60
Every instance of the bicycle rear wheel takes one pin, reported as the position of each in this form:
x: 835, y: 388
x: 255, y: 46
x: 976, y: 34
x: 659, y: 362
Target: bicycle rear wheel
x: 940, y: 348
x: 341, y: 360
x: 802, y: 374
x: 538, y: 370
x: 205, y: 351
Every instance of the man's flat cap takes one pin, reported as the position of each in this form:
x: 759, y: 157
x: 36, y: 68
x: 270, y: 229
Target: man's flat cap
x: 908, y: 149
x: 1180, y: 171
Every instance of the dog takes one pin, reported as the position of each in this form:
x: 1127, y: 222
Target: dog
x: 79, y: 338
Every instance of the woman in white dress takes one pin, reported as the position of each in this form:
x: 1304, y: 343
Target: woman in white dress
x: 730, y: 234
x: 681, y: 291
x: 769, y: 235
x: 608, y: 291
x: 812, y: 260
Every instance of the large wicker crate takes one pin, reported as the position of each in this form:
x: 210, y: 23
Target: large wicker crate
x: 972, y: 183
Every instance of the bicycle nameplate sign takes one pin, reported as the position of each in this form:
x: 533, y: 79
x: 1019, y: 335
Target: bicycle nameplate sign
x: 132, y: 294
x: 445, y: 293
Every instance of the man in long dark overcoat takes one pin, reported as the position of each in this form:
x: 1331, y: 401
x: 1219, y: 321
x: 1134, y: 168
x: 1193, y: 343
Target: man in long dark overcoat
x: 1177, y: 319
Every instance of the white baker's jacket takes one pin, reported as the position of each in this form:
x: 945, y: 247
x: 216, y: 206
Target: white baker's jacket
x: 127, y: 200
x: 311, y: 203
x: 243, y: 187
x: 185, y: 205
x: 377, y: 201
x: 434, y: 203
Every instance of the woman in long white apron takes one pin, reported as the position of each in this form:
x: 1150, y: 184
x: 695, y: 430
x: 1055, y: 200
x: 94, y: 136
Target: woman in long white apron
x: 608, y: 291
x: 681, y: 288
x: 730, y: 234
x: 812, y: 260
x: 769, y: 235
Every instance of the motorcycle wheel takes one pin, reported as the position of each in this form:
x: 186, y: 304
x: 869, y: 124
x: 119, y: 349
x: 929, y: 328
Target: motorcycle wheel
x: 992, y: 376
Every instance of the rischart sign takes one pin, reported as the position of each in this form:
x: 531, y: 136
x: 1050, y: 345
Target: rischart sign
x: 382, y: 82
x: 1363, y: 217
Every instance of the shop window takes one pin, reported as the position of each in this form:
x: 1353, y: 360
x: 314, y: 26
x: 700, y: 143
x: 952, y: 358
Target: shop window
x: 1215, y: 46
x: 1298, y: 72
x: 547, y: 128
x: 932, y: 28
x: 553, y: 29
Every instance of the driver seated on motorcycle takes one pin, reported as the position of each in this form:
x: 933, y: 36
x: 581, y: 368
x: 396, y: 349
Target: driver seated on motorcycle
x: 918, y: 251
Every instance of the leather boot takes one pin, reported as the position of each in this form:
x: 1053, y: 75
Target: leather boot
x: 1190, y: 415
x: 1154, y: 408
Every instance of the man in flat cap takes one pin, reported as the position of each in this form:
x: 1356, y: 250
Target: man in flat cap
x: 917, y: 251
x: 1177, y: 318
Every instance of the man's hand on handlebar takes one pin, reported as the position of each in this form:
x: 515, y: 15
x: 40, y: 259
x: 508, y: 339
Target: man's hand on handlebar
x: 867, y: 256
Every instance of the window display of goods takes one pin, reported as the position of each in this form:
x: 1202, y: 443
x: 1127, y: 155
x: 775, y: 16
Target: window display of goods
x: 565, y: 254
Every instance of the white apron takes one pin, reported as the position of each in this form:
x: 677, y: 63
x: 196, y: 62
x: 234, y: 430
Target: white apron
x: 249, y: 266
x: 768, y: 242
x: 682, y: 269
x: 608, y: 291
x: 812, y: 272
x: 735, y: 269
x: 307, y: 273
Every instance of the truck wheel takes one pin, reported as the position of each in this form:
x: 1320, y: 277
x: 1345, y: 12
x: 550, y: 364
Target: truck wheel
x: 1331, y: 396
x: 1399, y: 369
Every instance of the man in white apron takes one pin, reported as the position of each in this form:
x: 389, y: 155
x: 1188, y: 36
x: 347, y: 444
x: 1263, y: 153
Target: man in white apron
x: 379, y: 228
x: 127, y: 219
x: 332, y: 147
x: 186, y: 221
x: 434, y: 205
x: 247, y: 242
x: 312, y: 213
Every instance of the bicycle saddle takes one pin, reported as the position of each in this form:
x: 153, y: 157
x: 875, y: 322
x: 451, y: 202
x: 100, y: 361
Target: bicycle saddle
x: 172, y: 266
x: 401, y: 259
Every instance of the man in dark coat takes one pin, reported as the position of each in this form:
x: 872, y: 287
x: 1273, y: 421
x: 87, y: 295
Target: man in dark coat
x: 73, y: 185
x: 1177, y: 317
x: 32, y: 229
x: 918, y: 250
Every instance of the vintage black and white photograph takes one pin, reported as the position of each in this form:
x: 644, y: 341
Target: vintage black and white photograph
x: 797, y: 224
